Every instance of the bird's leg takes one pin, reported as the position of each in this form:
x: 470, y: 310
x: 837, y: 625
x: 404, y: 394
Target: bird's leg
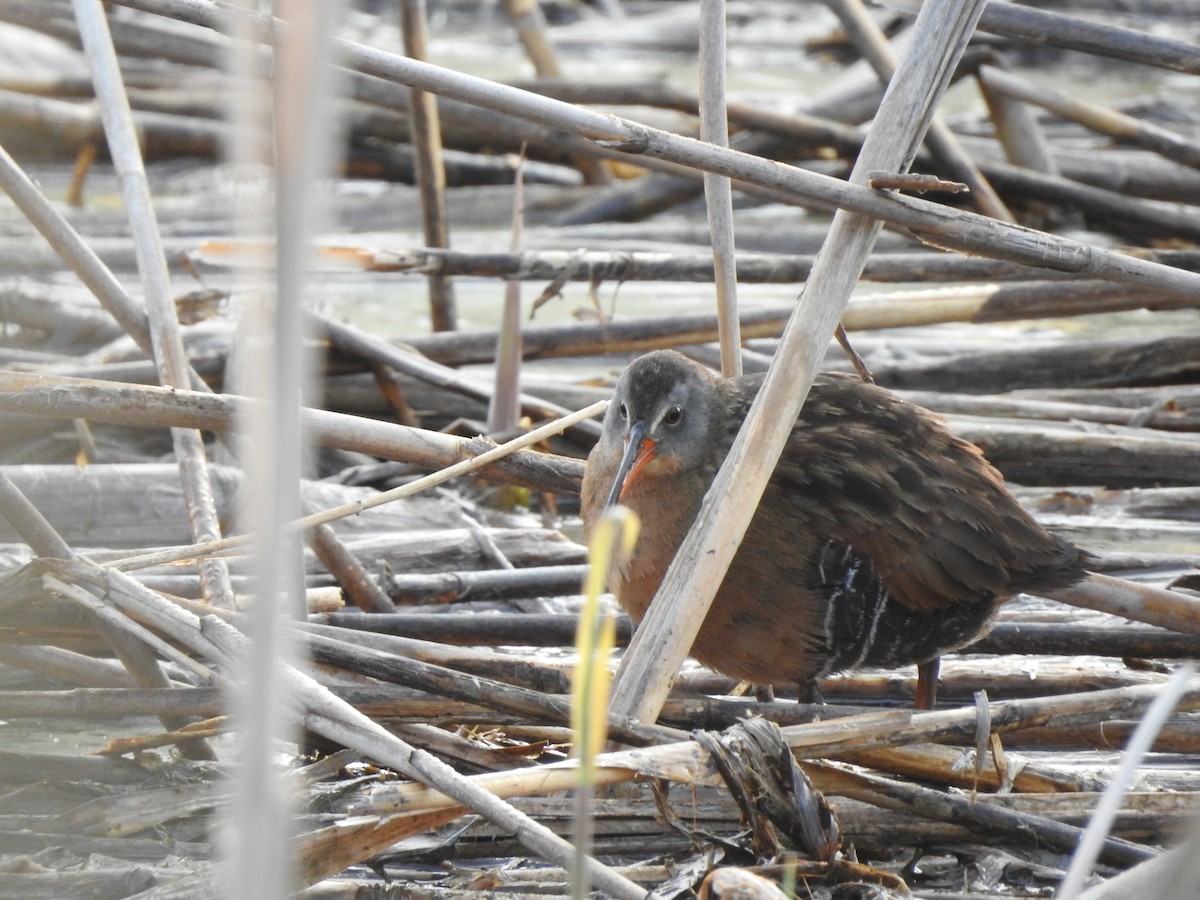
x: 808, y: 692
x: 764, y: 693
x: 927, y: 683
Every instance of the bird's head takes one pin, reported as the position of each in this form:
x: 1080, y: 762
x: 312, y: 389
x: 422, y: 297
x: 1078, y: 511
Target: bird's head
x: 662, y: 413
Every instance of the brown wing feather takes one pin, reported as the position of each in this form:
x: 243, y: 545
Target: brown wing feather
x: 938, y: 525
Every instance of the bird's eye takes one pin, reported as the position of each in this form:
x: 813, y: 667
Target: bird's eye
x: 674, y: 415
x: 623, y: 411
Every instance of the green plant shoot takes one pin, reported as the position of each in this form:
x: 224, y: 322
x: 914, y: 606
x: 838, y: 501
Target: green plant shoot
x: 614, y: 536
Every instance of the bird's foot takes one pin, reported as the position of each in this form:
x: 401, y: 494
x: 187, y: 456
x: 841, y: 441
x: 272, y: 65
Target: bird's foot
x: 927, y: 684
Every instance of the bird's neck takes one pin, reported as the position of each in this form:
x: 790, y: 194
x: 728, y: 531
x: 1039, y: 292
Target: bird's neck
x: 671, y: 504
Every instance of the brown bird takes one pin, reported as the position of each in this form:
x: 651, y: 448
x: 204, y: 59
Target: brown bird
x: 881, y: 539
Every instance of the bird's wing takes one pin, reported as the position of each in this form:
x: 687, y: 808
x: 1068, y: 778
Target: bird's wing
x: 887, y: 478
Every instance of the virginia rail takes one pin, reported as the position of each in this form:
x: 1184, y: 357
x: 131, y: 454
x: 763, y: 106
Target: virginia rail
x: 881, y: 539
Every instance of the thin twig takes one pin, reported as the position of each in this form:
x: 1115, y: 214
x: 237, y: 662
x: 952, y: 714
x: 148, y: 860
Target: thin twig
x: 356, y: 508
x: 165, y: 333
x: 718, y: 190
x: 431, y: 171
x: 873, y: 45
